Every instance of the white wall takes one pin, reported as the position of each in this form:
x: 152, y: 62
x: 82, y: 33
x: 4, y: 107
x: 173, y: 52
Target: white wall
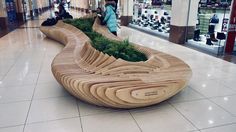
x: 127, y: 7
x: 3, y: 9
x: 180, y: 12
x: 80, y: 3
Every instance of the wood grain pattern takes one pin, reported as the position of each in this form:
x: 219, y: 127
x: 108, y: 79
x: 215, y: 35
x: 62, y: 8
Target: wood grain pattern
x: 103, y: 80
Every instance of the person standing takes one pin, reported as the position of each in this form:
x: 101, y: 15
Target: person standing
x: 110, y: 16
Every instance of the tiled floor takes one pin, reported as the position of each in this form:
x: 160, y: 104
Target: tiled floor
x: 32, y: 101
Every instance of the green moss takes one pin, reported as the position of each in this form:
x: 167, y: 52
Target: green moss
x: 118, y: 49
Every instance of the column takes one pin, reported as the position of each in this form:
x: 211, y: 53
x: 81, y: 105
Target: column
x: 35, y: 7
x: 183, y: 20
x: 31, y: 9
x: 19, y: 10
x: 232, y: 30
x: 77, y: 5
x: 93, y: 4
x: 3, y: 15
x: 83, y: 5
x: 126, y: 11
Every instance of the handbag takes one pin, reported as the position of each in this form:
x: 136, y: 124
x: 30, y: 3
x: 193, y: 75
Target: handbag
x: 220, y: 36
x: 214, y: 19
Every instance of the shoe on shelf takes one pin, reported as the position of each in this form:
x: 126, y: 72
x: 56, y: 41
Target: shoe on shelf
x: 196, y: 36
x: 160, y: 30
x: 208, y: 42
x: 154, y: 27
x: 213, y: 38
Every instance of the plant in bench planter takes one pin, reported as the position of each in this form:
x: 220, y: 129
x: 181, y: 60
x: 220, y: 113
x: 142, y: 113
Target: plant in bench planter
x: 118, y: 49
x: 84, y: 25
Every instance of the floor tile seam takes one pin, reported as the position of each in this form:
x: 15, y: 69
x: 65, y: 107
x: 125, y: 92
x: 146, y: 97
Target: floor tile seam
x: 14, y: 63
x: 135, y: 121
x: 209, y: 79
x: 15, y: 86
x: 187, y: 101
x: 198, y: 92
x: 223, y: 83
x: 230, y: 95
x: 20, y: 85
x: 223, y: 108
x: 227, y: 124
x: 46, y: 98
x: 80, y: 118
x: 209, y: 99
x: 205, y: 97
x: 105, y: 113
x: 52, y: 120
x: 10, y: 126
x: 32, y: 98
x: 184, y: 117
x: 29, y: 108
x: 13, y: 102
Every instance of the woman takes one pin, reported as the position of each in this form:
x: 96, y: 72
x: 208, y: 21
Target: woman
x: 110, y: 17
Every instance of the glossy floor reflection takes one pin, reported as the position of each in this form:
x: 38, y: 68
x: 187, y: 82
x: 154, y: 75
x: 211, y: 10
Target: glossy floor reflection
x: 32, y: 101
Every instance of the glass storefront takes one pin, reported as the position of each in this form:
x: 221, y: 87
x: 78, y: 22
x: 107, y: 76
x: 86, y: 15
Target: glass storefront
x: 209, y: 32
x: 211, y: 25
x: 152, y: 16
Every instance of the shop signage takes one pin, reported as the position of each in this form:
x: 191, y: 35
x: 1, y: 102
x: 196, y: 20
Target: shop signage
x: 232, y: 27
x: 225, y: 24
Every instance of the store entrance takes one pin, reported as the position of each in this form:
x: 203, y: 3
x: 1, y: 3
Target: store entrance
x: 11, y: 14
x: 11, y: 11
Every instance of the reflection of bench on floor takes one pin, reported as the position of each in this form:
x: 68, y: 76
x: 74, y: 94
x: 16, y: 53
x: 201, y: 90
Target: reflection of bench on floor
x: 102, y: 80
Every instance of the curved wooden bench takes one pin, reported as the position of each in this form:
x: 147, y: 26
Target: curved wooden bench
x: 103, y: 80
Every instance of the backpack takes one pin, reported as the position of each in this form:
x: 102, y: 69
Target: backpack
x: 49, y: 22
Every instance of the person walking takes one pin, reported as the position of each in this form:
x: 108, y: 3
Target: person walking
x: 110, y: 16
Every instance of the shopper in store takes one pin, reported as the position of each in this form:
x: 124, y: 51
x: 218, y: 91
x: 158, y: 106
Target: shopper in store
x: 110, y: 16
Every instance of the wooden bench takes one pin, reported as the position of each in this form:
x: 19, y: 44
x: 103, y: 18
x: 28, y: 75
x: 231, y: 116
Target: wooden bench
x: 103, y: 80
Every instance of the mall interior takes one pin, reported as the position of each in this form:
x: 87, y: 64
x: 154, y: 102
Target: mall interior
x: 54, y: 79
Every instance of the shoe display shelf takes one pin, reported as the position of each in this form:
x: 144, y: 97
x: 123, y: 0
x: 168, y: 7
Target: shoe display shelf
x: 148, y: 30
x: 216, y: 47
